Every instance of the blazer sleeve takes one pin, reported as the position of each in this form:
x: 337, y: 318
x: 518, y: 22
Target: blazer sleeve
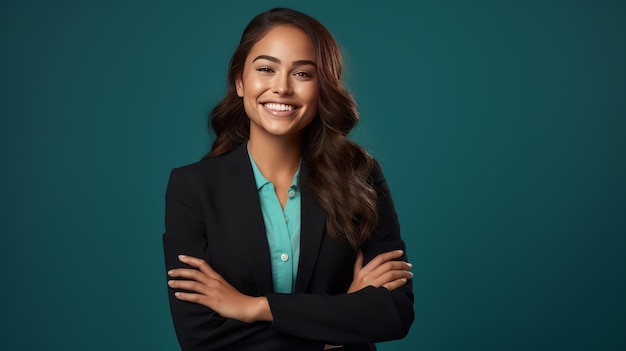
x: 198, y: 327
x: 367, y: 316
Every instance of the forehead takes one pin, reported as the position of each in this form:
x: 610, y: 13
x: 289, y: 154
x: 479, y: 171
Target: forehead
x: 285, y: 43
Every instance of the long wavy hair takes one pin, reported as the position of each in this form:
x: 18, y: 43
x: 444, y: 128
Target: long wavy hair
x: 336, y: 169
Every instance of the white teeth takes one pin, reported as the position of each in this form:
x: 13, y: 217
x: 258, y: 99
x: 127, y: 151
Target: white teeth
x: 279, y: 107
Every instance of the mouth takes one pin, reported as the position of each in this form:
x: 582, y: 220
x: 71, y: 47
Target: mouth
x: 280, y: 110
x: 272, y: 106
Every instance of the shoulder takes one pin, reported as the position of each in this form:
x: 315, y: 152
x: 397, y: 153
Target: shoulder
x: 377, y: 178
x: 199, y: 172
x: 211, y: 170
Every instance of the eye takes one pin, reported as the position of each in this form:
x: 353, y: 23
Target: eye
x: 265, y: 69
x: 303, y: 74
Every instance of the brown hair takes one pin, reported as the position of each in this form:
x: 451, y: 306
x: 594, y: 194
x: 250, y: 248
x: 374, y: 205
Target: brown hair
x: 337, y: 170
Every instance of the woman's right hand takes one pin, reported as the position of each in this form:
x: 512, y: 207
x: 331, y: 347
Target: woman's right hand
x: 382, y: 270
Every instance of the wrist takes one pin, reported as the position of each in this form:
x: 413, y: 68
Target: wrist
x: 260, y: 310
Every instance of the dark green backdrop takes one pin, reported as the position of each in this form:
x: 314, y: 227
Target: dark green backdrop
x: 501, y: 126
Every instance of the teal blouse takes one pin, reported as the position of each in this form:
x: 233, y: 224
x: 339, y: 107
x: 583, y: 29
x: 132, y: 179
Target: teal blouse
x: 282, y: 228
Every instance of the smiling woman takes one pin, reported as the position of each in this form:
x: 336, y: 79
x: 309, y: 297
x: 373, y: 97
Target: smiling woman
x: 285, y: 237
x: 279, y: 84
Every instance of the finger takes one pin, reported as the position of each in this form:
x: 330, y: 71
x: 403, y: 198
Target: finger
x: 198, y: 263
x: 390, y: 277
x: 358, y: 264
x: 188, y: 285
x: 393, y: 285
x: 389, y: 266
x: 190, y: 297
x: 382, y: 258
x: 189, y: 273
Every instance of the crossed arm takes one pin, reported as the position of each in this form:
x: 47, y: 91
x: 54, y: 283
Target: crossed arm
x: 204, y: 286
x: 210, y: 313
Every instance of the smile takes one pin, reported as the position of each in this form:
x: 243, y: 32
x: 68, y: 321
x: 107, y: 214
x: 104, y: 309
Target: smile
x: 279, y: 107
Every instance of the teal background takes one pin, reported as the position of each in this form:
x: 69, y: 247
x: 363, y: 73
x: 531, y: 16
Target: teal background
x: 501, y: 126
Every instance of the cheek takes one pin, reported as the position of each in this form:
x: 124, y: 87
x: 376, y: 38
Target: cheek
x: 251, y: 85
x: 311, y: 95
x: 255, y: 86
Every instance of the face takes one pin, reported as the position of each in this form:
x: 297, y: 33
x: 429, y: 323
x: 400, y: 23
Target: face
x: 279, y: 84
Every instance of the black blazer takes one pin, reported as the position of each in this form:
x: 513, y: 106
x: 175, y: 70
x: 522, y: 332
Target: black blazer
x: 213, y: 212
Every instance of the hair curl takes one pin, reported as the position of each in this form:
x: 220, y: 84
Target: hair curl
x: 337, y: 169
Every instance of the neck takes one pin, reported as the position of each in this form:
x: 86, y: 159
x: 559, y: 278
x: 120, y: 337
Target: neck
x: 275, y: 156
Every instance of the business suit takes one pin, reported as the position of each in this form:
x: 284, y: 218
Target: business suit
x: 213, y: 212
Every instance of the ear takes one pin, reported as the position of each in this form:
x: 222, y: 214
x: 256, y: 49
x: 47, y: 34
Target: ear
x: 239, y: 85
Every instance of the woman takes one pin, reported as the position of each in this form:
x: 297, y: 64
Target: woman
x: 266, y: 237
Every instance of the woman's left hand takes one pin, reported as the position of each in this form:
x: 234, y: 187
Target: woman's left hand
x: 206, y: 287
x: 383, y: 270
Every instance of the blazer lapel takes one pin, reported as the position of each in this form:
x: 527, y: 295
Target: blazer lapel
x: 247, y: 221
x: 311, y: 233
x: 249, y: 228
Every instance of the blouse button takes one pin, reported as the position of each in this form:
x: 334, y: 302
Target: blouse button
x: 284, y: 257
x: 291, y: 193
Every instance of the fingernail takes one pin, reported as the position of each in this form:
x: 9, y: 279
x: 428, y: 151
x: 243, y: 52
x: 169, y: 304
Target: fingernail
x: 409, y: 264
x: 181, y: 257
x: 177, y: 294
x: 411, y: 273
x: 170, y: 282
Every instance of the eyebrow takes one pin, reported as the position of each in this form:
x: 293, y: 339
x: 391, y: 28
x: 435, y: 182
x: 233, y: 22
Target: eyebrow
x: 277, y: 60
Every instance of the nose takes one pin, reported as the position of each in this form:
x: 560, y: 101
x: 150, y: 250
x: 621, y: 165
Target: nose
x: 282, y: 85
